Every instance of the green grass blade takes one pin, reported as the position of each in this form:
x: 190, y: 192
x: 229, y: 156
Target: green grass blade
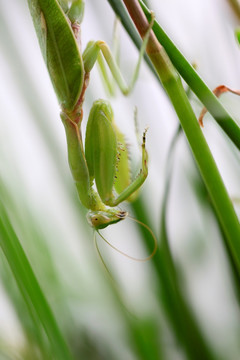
x: 197, y: 85
x: 145, y: 334
x: 186, y: 70
x: 29, y: 286
x: 29, y: 228
x: 27, y: 88
x: 180, y: 316
x: 200, y: 190
x: 176, y: 305
x: 32, y: 329
x: 202, y: 154
x: 178, y: 309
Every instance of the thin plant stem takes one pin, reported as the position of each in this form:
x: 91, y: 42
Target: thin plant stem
x: 29, y: 286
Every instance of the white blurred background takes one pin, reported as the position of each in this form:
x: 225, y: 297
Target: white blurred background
x: 36, y: 173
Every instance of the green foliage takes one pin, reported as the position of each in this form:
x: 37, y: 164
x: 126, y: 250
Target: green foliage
x: 65, y: 306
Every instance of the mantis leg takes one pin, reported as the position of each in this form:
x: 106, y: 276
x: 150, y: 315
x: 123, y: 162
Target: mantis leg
x: 108, y: 81
x: 135, y: 184
x: 96, y: 51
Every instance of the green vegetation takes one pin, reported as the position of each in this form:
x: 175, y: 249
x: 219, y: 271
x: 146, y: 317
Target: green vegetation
x: 61, y: 302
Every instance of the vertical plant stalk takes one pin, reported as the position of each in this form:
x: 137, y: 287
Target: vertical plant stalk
x: 203, y: 157
x: 30, y: 288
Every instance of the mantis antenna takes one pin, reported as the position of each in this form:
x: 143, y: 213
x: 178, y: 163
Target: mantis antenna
x: 123, y: 253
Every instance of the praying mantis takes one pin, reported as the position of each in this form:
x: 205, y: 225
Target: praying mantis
x: 57, y: 24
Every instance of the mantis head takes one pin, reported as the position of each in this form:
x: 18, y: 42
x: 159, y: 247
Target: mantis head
x: 101, y: 219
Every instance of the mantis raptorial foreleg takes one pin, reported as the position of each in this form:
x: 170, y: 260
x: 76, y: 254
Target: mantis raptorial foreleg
x: 102, y: 133
x: 135, y: 184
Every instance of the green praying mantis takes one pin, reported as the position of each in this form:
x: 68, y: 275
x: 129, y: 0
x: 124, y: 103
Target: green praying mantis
x: 99, y: 162
x: 104, y: 159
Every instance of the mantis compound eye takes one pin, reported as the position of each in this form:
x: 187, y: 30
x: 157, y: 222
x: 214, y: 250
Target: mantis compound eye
x: 101, y: 219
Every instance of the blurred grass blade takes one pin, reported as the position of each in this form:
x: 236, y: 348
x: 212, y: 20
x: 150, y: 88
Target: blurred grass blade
x: 143, y: 332
x: 35, y: 341
x: 186, y: 70
x: 60, y: 50
x: 202, y: 196
x: 178, y: 311
x: 178, y: 308
x: 29, y: 286
x: 181, y: 319
x: 146, y: 336
x: 27, y: 88
x: 27, y: 225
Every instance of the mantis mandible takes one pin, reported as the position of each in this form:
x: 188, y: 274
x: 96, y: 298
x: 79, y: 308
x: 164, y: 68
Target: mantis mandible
x: 57, y: 25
